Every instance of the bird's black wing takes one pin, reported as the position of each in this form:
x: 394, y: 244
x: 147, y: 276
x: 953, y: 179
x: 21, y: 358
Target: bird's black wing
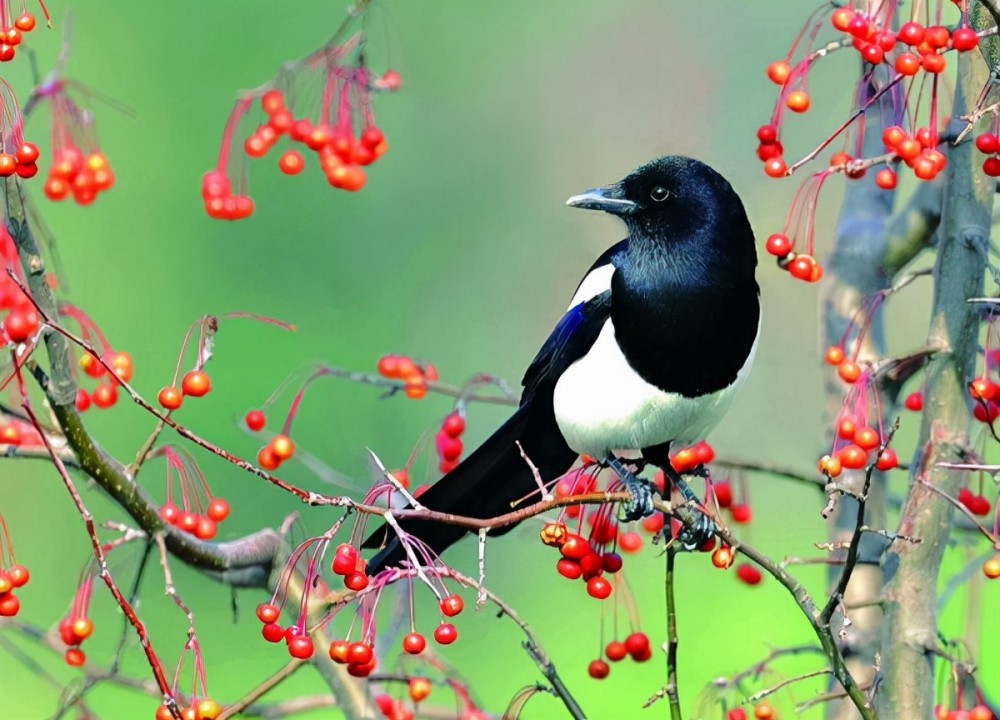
x: 494, y: 478
x: 571, y: 340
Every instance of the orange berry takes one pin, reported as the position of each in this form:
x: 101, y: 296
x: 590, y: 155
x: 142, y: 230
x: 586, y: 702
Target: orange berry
x: 196, y: 383
x: 779, y: 71
x: 834, y: 355
x: 798, y: 101
x: 283, y: 447
x: 170, y: 397
x: 991, y: 568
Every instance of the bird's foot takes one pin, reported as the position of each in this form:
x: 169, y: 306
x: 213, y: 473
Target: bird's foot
x: 694, y: 536
x: 640, y: 503
x: 701, y: 531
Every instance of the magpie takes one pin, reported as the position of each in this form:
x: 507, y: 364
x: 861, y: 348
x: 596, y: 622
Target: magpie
x: 659, y: 335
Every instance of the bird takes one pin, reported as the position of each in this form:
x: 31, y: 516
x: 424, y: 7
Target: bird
x: 659, y: 336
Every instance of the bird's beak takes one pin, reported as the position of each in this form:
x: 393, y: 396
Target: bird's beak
x: 610, y: 199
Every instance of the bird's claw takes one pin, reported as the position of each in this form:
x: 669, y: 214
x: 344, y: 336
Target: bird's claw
x: 640, y: 502
x: 694, y: 536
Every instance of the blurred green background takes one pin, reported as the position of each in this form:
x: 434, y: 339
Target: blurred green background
x: 459, y: 251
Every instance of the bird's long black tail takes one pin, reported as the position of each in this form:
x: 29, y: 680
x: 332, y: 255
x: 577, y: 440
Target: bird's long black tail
x: 485, y: 484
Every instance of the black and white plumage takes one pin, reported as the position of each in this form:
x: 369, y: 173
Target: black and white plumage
x: 660, y: 334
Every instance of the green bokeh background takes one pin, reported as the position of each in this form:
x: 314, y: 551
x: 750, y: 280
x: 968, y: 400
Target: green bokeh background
x: 458, y: 251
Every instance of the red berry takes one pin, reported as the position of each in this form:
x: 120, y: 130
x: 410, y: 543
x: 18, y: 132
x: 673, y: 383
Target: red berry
x: 82, y: 400
x: 630, y: 542
x: 218, y: 509
x: 206, y: 529
x: 170, y: 513
x: 272, y: 632
x: 914, y: 402
x: 615, y: 651
x: 598, y: 669
x: 291, y: 162
x: 886, y: 179
x: 775, y: 167
x: 75, y: 657
x: 722, y: 558
x: 445, y: 634
x: 345, y: 559
x: 767, y: 134
x: 867, y: 438
x: 801, y: 267
x: 907, y: 64
x: 741, y: 514
x: 359, y: 653
x: 778, y: 245
x: 356, y: 581
x: 453, y: 425
x: 737, y: 714
x: 887, y: 460
x: 256, y: 420
x: 612, y: 562
x: 301, y: 647
x: 598, y: 587
x: 723, y: 493
x: 20, y: 325
x: 25, y: 23
x: 569, y: 569
x: 911, y: 33
x: 105, y: 395
x: 18, y: 575
x: 452, y: 605
x: 988, y: 143
x: 849, y: 371
x: 834, y: 355
x: 853, y: 457
x: 268, y: 613
x: 575, y: 547
x: 414, y: 643
x: 748, y: 574
x: 637, y: 643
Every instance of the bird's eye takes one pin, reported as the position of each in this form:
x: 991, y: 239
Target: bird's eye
x: 659, y: 194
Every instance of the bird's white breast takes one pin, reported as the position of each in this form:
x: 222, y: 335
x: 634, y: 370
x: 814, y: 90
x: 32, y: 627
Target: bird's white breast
x: 602, y: 405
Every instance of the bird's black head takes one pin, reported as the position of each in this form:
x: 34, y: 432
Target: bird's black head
x: 676, y: 201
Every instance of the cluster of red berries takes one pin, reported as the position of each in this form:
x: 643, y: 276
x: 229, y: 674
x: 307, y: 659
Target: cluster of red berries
x: 195, y: 383
x: 105, y: 395
x: 853, y: 446
x: 580, y: 560
x: 206, y: 709
x: 848, y: 370
x: 73, y: 630
x: 348, y: 564
x: 14, y: 431
x: 761, y: 711
x: 81, y: 175
x: 12, y: 578
x: 21, y: 322
x: 988, y: 143
x: 413, y: 375
x: 11, y: 37
x: 220, y: 202
x: 22, y: 162
x: 279, y: 449
x: 978, y: 712
x: 300, y: 645
x: 739, y: 512
x: 359, y: 657
x: 918, y: 151
x: 925, y: 45
x: 986, y: 393
x: 975, y: 504
x: 341, y: 155
x: 448, y: 441
x: 203, y: 527
x: 800, y: 266
x: 635, y: 646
